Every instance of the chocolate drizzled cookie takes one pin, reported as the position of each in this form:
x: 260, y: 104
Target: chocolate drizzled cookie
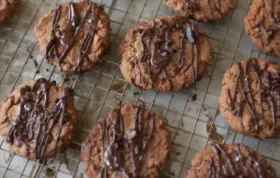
x: 74, y: 36
x: 250, y: 97
x: 202, y: 10
x: 37, y: 119
x: 262, y: 25
x: 233, y: 160
x: 166, y: 54
x: 127, y: 142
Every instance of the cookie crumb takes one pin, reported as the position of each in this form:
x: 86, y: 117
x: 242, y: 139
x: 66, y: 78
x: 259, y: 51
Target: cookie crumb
x: 67, y: 79
x: 118, y: 87
x: 194, y: 97
x: 211, y: 128
x: 182, y: 123
x: 35, y: 63
x: 136, y: 94
x: 212, y: 131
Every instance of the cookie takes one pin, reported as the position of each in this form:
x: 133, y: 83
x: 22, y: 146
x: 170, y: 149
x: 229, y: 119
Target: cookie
x: 7, y: 8
x: 128, y: 141
x: 232, y: 160
x: 250, y: 97
x: 262, y: 25
x: 166, y: 54
x: 37, y: 119
x: 202, y: 10
x: 74, y: 36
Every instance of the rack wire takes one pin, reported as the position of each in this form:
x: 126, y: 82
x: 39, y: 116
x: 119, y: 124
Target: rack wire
x: 99, y: 90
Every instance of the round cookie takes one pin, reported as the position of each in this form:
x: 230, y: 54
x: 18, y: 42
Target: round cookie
x: 37, y: 119
x: 262, y: 25
x: 7, y: 8
x: 250, y: 98
x: 74, y: 36
x: 232, y: 160
x: 128, y: 141
x: 166, y: 54
x: 202, y: 10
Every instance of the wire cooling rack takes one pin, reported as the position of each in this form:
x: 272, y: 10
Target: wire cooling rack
x: 97, y: 91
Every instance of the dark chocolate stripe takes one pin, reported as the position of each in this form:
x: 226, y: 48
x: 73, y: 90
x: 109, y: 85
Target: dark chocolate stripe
x: 88, y: 41
x: 233, y: 165
x: 157, y: 53
x: 69, y: 36
x: 22, y: 131
x: 135, y: 141
x: 268, y: 84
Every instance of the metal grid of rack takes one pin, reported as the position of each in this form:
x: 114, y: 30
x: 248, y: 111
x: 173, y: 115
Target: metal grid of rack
x: 99, y: 90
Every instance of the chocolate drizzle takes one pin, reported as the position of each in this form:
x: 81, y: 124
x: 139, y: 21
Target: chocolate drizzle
x: 62, y: 41
x: 135, y: 142
x: 268, y: 83
x: 35, y: 120
x: 157, y: 51
x: 233, y: 164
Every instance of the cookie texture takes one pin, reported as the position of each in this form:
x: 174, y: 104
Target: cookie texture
x: 7, y: 8
x: 262, y: 25
x: 166, y: 54
x: 128, y: 141
x: 74, y: 36
x: 233, y: 160
x: 202, y: 10
x: 249, y: 98
x: 37, y: 119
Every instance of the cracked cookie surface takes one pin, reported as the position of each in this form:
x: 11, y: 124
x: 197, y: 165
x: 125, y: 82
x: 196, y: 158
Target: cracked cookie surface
x: 74, y: 36
x: 128, y: 141
x: 229, y: 160
x: 37, y: 119
x: 262, y: 25
x: 166, y: 54
x: 249, y: 99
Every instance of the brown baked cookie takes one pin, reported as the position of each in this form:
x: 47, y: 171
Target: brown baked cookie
x: 128, y: 141
x: 250, y: 98
x: 7, y: 8
x: 232, y: 161
x: 202, y: 10
x: 166, y: 54
x: 74, y: 36
x: 262, y: 25
x: 38, y: 118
